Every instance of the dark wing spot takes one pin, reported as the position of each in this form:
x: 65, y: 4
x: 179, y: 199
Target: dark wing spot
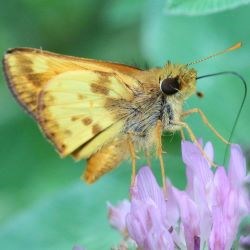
x: 24, y: 63
x: 52, y: 124
x: 42, y: 106
x: 67, y: 132
x: 44, y: 120
x: 86, y: 121
x: 37, y: 79
x: 62, y: 147
x: 74, y: 118
x: 99, y: 89
x: 32, y: 102
x: 48, y: 97
x: 80, y: 96
x: 52, y: 135
x: 96, y: 129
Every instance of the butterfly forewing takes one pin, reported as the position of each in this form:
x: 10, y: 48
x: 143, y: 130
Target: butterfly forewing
x: 72, y: 108
x: 68, y: 96
x: 28, y: 70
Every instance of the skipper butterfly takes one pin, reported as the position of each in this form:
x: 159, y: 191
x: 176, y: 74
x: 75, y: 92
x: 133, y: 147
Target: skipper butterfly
x: 101, y: 111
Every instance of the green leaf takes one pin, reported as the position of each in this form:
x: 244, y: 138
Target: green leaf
x: 201, y: 7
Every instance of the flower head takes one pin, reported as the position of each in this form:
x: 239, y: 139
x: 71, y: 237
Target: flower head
x: 207, y: 213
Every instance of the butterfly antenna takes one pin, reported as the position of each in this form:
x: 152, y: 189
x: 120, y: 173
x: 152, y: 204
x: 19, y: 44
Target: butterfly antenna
x: 234, y: 47
x: 241, y: 105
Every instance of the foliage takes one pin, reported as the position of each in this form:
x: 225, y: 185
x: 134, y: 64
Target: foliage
x: 197, y: 7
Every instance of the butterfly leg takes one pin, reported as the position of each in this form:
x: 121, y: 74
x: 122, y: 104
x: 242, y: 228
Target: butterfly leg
x: 159, y: 128
x: 182, y: 135
x: 147, y: 155
x: 194, y: 140
x: 133, y: 158
x: 206, y: 122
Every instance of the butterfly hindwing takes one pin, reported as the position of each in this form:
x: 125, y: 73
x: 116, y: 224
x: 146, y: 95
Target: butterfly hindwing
x: 106, y: 159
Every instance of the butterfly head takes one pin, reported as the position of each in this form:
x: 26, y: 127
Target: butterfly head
x: 177, y: 80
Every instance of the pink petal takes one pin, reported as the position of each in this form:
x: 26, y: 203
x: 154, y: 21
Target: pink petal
x: 237, y: 166
x: 144, y: 216
x: 209, y: 150
x: 200, y: 199
x: 136, y: 222
x: 136, y: 232
x: 189, y: 217
x: 231, y: 217
x: 196, y: 164
x: 244, y: 202
x: 117, y: 215
x: 172, y: 210
x: 231, y: 205
x: 159, y: 239
x: 221, y: 187
x: 189, y: 152
x: 217, y: 239
x: 147, y: 187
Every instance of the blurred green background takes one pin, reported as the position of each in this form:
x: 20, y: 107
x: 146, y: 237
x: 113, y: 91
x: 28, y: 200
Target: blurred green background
x: 43, y: 203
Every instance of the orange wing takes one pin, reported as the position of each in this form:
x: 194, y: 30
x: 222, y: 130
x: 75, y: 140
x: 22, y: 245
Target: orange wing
x: 105, y: 160
x: 27, y: 71
x: 67, y: 95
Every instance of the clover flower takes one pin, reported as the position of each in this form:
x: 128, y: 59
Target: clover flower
x: 206, y: 215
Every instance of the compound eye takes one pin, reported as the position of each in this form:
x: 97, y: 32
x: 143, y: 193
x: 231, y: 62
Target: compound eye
x: 170, y: 86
